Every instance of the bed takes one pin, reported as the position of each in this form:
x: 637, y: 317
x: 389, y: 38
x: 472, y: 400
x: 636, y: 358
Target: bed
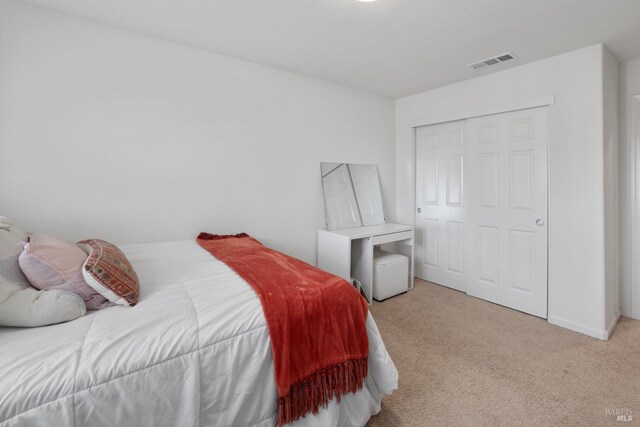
x: 194, y: 351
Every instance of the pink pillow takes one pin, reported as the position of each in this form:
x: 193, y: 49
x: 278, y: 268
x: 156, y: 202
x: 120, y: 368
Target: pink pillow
x: 51, y: 263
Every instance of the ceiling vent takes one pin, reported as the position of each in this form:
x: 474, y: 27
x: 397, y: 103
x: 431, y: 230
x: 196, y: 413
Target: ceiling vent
x: 498, y: 59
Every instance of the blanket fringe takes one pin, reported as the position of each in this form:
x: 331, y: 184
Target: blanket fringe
x: 317, y: 390
x: 208, y: 236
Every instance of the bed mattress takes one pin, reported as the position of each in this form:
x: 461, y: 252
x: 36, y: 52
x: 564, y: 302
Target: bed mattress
x: 195, y: 351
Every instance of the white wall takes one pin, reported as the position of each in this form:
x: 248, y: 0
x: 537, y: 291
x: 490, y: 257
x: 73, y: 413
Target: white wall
x: 111, y: 134
x: 576, y: 169
x: 628, y: 158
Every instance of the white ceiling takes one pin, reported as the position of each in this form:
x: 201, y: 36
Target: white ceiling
x: 391, y: 47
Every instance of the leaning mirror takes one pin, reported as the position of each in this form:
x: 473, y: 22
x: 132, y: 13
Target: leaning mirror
x: 352, y: 195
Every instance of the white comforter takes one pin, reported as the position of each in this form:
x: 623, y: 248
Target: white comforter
x: 195, y: 351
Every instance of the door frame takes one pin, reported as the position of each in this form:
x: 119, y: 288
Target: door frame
x: 487, y: 111
x: 634, y: 137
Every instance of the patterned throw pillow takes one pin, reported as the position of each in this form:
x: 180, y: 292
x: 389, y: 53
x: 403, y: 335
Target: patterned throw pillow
x: 108, y: 271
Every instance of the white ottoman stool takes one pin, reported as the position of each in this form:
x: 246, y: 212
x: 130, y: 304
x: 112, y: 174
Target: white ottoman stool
x: 390, y: 274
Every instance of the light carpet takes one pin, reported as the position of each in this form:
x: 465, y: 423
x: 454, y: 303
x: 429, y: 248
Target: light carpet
x: 463, y: 361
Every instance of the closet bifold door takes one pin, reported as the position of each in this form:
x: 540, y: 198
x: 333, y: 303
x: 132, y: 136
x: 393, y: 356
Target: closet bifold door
x: 506, y: 245
x: 441, y: 204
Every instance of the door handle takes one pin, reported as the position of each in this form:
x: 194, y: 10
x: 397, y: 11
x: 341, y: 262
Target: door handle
x: 539, y: 222
x: 419, y: 210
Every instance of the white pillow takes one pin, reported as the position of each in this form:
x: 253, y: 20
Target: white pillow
x: 20, y: 304
x: 30, y: 307
x: 12, y: 242
x: 12, y: 239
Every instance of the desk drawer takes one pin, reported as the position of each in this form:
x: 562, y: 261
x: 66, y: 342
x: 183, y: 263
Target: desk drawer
x: 392, y: 237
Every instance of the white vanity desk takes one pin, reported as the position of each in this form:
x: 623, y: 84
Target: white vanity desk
x: 348, y: 252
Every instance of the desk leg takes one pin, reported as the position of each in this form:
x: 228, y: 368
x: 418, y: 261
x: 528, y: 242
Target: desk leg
x: 334, y: 254
x: 405, y: 247
x: 412, y: 270
x: 362, y: 264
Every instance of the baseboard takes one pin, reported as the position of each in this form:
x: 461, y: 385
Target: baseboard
x: 630, y: 314
x: 613, y: 324
x: 595, y: 333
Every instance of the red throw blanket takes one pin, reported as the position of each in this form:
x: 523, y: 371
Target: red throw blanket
x: 316, y: 323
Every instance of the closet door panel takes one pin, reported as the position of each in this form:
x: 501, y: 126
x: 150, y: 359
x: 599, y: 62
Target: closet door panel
x: 440, y: 204
x: 507, y: 209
